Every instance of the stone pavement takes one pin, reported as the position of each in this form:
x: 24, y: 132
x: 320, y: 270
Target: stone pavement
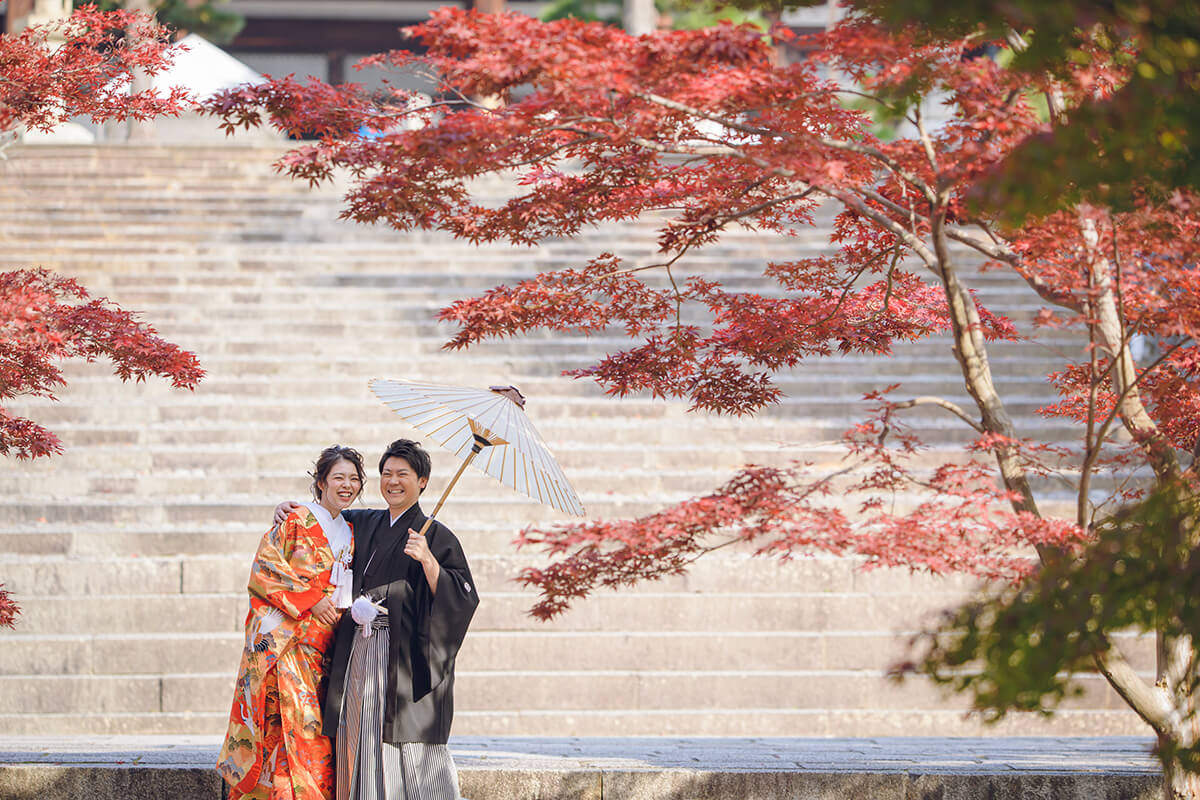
x: 512, y: 768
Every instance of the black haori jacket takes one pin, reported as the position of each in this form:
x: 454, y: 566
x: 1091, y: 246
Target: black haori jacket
x: 426, y: 630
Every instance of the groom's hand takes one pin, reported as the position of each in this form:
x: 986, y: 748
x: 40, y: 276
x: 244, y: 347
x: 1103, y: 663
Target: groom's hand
x: 283, y: 509
x: 417, y: 548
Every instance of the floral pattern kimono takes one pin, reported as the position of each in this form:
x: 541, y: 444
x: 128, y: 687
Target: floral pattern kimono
x: 274, y: 749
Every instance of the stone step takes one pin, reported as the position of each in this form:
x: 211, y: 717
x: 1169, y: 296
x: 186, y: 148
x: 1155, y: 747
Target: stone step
x: 414, y: 293
x: 114, y: 654
x: 281, y: 472
x: 541, y: 390
x: 785, y: 722
x: 655, y: 485
x: 288, y: 485
x: 319, y: 240
x: 417, y: 284
x: 371, y: 424
x: 290, y: 449
x: 91, y: 538
x: 532, y: 358
x: 39, y: 575
x: 644, y: 611
x: 342, y: 249
x: 802, y: 405
x: 249, y: 411
x: 352, y: 266
x: 414, y: 316
x: 752, y: 722
x: 191, y: 457
x: 282, y: 469
x: 319, y: 431
x: 366, y: 261
x: 505, y: 651
x: 347, y: 267
x: 513, y: 511
x: 527, y: 690
x: 363, y: 267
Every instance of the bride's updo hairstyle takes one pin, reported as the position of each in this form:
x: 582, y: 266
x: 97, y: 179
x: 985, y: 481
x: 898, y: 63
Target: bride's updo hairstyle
x: 330, y: 456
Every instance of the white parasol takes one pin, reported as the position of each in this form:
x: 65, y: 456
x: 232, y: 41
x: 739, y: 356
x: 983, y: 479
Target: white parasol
x: 469, y: 421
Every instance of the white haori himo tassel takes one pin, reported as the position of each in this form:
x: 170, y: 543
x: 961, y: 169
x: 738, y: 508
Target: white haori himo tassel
x: 364, y: 612
x: 341, y: 580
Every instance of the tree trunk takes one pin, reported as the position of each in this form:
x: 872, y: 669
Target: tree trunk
x: 640, y: 17
x: 1177, y: 668
x: 140, y: 130
x: 16, y: 18
x: 970, y: 350
x: 1178, y: 783
x: 489, y: 6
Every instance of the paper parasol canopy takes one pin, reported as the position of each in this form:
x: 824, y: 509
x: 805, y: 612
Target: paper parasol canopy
x: 487, y: 427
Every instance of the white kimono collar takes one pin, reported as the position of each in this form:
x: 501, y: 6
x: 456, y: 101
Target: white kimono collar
x: 337, y: 531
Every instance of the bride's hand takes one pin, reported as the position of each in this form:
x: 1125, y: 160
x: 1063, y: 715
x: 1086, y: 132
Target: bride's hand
x: 325, y: 612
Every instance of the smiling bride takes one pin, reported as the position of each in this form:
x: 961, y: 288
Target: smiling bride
x: 300, y: 582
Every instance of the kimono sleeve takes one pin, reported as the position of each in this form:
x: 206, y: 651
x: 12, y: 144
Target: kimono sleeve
x: 274, y: 578
x: 451, y: 609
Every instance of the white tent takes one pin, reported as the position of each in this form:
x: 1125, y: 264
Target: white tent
x: 200, y: 67
x: 204, y: 69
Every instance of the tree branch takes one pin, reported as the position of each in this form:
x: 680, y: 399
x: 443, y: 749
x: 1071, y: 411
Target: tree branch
x: 970, y: 350
x: 883, y: 158
x: 926, y: 142
x: 674, y: 105
x: 684, y: 150
x: 1001, y: 252
x: 1054, y: 97
x: 906, y: 211
x: 1090, y: 459
x: 953, y: 408
x: 1159, y: 453
x: 847, y: 289
x: 1147, y: 701
x: 914, y: 243
x: 852, y: 147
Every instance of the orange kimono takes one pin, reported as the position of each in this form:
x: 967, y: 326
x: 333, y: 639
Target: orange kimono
x: 274, y: 749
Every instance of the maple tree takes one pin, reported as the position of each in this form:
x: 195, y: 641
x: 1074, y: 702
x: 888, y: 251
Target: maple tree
x: 709, y: 130
x: 8, y: 609
x: 1140, y: 573
x: 81, y: 66
x: 45, y: 319
x: 84, y: 66
x: 1146, y: 131
x: 209, y: 18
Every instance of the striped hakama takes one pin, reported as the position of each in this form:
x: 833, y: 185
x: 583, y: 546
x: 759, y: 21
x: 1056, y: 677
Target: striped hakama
x: 369, y: 768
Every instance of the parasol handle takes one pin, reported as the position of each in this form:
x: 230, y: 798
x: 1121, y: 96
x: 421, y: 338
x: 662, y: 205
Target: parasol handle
x: 476, y: 449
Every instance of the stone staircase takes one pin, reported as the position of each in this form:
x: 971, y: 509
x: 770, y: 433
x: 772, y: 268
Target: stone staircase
x: 129, y: 553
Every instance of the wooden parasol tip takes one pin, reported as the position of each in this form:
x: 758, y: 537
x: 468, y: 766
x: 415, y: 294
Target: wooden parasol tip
x: 511, y: 392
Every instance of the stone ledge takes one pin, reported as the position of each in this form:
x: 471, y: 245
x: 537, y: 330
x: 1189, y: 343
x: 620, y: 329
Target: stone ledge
x: 527, y: 768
